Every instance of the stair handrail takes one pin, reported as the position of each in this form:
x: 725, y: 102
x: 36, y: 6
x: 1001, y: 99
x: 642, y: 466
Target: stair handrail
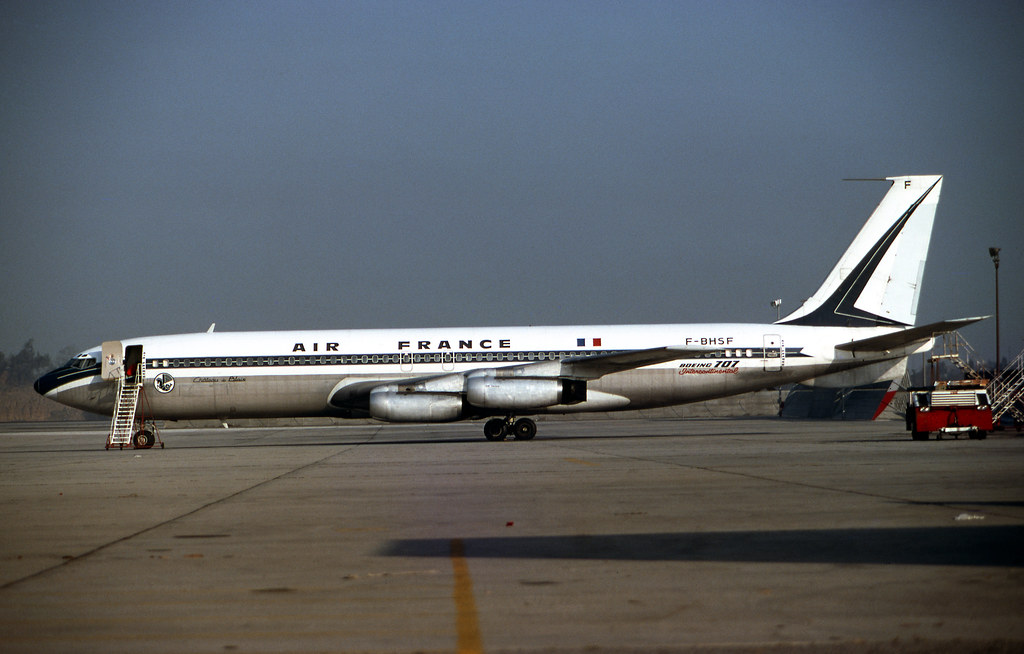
x: 1007, y: 388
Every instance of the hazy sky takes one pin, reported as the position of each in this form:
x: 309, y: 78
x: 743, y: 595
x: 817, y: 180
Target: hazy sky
x: 278, y: 165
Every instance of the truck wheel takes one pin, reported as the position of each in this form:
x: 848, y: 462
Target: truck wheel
x: 979, y: 435
x: 919, y: 435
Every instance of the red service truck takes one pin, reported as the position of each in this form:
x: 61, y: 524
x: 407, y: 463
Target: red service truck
x: 950, y: 407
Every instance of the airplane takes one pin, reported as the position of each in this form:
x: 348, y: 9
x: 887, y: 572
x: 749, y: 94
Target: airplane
x: 856, y: 329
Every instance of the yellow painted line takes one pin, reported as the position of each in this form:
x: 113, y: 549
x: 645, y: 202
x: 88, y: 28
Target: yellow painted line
x: 467, y: 627
x: 582, y: 462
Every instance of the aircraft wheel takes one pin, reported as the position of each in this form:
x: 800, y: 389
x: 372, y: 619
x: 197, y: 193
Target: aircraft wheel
x: 524, y: 429
x: 919, y: 435
x: 143, y: 439
x: 494, y: 429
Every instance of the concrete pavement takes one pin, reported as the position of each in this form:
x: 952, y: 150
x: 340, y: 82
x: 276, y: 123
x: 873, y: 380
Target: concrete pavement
x: 637, y: 535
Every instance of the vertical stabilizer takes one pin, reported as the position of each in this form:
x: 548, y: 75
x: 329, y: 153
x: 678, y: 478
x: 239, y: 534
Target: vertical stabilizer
x: 878, y: 280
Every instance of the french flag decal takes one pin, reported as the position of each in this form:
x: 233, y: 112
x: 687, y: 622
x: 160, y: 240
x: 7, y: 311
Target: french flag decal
x: 582, y: 342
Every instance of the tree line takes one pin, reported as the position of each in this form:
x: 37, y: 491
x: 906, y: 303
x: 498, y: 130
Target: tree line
x: 18, y: 400
x: 27, y: 365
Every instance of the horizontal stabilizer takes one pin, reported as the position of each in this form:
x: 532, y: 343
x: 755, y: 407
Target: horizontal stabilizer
x: 899, y: 339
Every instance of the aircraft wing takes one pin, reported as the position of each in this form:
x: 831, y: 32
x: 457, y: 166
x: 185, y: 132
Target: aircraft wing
x: 599, y: 365
x: 354, y: 392
x: 899, y: 339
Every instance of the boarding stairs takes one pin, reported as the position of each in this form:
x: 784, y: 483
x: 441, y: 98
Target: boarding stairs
x: 1006, y: 391
x: 957, y: 351
x: 129, y: 389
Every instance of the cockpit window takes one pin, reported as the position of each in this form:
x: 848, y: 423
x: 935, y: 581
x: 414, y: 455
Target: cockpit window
x: 81, y: 362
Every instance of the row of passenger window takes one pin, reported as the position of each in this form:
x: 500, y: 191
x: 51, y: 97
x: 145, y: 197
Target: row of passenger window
x: 729, y: 354
x: 406, y: 358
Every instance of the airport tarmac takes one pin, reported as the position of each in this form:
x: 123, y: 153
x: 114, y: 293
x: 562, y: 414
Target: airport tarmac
x: 729, y: 535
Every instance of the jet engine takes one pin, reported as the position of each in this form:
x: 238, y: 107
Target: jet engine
x: 510, y: 394
x: 415, y: 407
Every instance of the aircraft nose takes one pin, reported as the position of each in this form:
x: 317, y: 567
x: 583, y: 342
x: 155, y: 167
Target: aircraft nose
x: 46, y: 383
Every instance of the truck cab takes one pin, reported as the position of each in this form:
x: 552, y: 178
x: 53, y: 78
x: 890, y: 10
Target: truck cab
x: 950, y: 407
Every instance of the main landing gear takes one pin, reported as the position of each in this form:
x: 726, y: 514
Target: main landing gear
x: 497, y: 429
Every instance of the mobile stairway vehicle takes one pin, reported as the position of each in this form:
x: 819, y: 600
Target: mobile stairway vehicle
x: 950, y: 407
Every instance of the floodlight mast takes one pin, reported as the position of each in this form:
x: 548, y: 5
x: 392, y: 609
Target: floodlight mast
x: 994, y: 253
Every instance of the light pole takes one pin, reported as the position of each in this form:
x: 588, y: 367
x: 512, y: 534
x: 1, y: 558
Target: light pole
x: 994, y: 253
x: 777, y: 303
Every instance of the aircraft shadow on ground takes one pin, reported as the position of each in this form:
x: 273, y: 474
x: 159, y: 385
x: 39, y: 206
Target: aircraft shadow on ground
x: 194, y: 442
x: 973, y: 545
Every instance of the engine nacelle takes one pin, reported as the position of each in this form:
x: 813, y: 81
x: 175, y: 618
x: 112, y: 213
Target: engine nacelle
x: 496, y: 393
x: 415, y: 407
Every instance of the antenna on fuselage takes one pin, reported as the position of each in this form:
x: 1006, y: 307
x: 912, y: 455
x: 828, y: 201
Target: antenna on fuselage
x: 210, y: 330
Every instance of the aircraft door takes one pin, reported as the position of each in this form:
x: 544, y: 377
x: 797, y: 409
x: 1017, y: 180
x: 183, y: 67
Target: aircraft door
x: 113, y: 360
x: 132, y: 361
x: 774, y: 353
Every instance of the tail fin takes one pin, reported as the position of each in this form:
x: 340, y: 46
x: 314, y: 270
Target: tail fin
x: 878, y: 280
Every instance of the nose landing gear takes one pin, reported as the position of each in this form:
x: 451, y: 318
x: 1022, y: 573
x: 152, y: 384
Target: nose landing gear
x: 497, y: 429
x: 145, y: 438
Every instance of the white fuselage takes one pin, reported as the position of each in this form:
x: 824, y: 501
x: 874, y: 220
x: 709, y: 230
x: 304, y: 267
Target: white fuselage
x: 297, y: 373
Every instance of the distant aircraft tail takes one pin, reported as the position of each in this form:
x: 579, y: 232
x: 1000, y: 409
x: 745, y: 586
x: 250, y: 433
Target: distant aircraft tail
x: 878, y: 280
